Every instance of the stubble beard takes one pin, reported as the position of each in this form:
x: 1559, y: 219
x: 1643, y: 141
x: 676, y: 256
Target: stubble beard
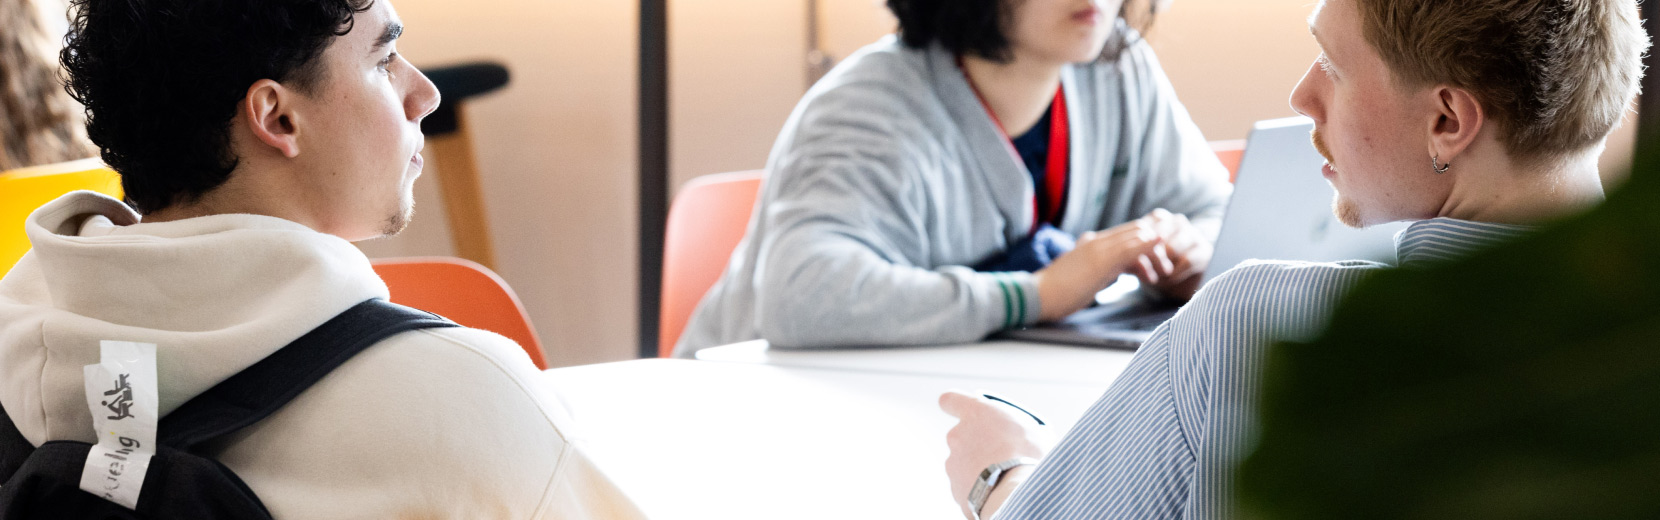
x: 1344, y: 209
x: 398, y: 220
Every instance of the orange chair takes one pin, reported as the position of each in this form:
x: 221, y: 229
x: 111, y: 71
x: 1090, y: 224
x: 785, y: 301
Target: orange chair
x: 463, y: 291
x: 24, y: 189
x: 706, y: 222
x: 1230, y: 152
x: 709, y: 218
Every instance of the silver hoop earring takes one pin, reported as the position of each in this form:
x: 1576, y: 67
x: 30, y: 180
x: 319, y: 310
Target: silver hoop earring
x: 1435, y: 163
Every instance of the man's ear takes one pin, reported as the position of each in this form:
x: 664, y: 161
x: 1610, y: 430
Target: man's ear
x: 269, y: 108
x: 1458, y: 119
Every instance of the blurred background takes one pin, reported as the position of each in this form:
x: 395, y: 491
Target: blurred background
x: 558, y: 150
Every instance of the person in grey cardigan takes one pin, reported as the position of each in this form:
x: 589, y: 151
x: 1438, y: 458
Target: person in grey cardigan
x: 897, y: 173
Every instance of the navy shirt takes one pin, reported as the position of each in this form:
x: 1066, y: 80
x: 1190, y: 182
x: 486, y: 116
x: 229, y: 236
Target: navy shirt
x: 1040, y: 248
x: 1033, y: 148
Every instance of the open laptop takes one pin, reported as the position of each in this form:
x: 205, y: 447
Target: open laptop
x: 1280, y: 210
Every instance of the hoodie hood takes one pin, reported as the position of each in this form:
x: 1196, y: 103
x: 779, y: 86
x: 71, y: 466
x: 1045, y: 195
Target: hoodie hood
x: 215, y: 294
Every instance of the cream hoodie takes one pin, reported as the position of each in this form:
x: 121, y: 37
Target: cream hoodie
x: 438, y: 423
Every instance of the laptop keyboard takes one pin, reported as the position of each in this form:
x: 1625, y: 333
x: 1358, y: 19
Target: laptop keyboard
x: 1123, y: 326
x: 1148, y: 323
x: 1144, y: 323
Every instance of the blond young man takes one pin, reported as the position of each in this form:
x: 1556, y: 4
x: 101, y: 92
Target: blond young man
x: 1477, y: 117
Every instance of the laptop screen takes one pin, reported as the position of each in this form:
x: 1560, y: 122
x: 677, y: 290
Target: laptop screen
x: 1282, y: 207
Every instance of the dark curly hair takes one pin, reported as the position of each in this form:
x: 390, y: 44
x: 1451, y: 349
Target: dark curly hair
x: 978, y: 27
x: 161, y: 80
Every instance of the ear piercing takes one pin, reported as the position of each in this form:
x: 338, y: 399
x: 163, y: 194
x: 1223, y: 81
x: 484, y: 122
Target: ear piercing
x: 1435, y: 163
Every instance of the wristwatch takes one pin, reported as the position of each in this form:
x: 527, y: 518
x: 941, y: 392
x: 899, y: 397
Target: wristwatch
x: 988, y: 481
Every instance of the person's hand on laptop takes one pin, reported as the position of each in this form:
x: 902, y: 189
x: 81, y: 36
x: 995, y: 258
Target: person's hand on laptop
x: 1070, y: 283
x: 989, y: 432
x: 1177, y: 264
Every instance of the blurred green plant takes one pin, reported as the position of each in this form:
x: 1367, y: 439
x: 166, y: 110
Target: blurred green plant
x: 1522, y: 382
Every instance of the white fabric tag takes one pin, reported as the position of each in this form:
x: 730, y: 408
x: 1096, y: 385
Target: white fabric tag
x: 121, y: 392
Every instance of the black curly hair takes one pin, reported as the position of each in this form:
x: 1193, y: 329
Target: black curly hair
x: 161, y: 80
x: 977, y: 27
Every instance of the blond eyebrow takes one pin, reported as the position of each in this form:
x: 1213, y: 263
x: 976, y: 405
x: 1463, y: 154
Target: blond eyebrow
x: 1311, y: 27
x: 1317, y: 40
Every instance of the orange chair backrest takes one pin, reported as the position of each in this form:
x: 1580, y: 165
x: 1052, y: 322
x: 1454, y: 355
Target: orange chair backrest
x: 24, y: 189
x: 709, y: 218
x: 463, y: 291
x: 706, y: 222
x: 1230, y: 152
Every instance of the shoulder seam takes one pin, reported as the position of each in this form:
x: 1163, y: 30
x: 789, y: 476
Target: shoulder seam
x: 556, y: 470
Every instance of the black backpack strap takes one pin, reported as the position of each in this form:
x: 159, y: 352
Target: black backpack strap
x: 264, y: 387
x: 14, y: 448
x: 44, y: 482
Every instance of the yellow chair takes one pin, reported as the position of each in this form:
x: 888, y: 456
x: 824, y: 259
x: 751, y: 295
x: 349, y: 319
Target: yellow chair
x: 24, y: 189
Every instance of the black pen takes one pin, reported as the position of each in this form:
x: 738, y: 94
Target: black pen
x: 1015, y: 406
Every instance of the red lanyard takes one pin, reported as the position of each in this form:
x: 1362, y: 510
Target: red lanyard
x: 1056, y: 169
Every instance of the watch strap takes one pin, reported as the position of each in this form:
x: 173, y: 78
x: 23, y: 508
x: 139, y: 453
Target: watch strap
x: 988, y: 479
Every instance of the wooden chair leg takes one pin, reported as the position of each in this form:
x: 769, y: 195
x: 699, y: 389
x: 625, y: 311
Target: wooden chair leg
x: 463, y: 197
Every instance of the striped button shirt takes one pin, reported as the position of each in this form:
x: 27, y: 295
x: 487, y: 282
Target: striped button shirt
x: 1163, y: 441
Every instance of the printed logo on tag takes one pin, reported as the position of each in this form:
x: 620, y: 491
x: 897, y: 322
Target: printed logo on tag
x: 121, y: 394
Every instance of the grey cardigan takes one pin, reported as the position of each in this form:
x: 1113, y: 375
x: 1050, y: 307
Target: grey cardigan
x: 890, y: 177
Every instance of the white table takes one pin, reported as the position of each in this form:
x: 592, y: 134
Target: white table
x: 698, y: 439
x: 990, y: 360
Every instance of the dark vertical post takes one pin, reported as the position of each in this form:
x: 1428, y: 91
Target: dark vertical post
x: 1648, y: 106
x: 654, y: 164
x: 818, y: 61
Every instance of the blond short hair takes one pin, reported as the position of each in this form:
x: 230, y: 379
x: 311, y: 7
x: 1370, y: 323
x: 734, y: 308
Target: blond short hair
x: 1557, y: 76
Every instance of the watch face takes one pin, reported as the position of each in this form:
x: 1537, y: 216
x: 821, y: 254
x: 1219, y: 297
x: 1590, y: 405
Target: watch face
x: 988, y: 480
x: 977, y: 497
x: 982, y: 487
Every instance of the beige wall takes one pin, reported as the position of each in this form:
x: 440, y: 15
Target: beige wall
x: 557, y: 152
x: 739, y: 66
x: 1233, y: 62
x: 557, y: 147
x: 735, y: 71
